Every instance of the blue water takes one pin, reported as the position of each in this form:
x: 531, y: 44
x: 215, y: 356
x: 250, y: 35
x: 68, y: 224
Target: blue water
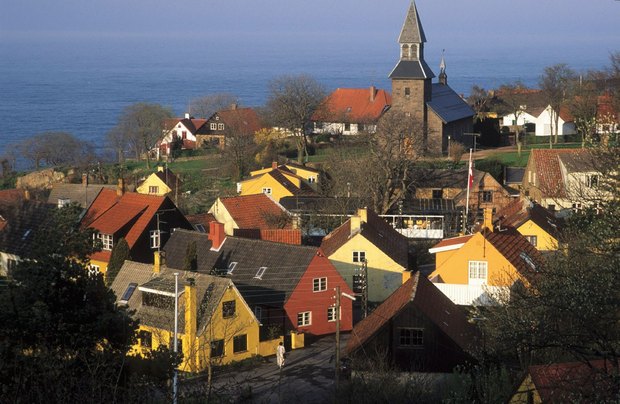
x: 82, y: 85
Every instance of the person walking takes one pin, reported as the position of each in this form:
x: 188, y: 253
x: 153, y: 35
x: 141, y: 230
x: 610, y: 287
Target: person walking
x: 280, y: 355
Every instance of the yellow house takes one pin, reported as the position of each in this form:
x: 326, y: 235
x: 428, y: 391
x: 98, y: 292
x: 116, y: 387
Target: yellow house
x: 472, y: 269
x: 277, y: 182
x: 308, y: 174
x: 537, y: 224
x: 160, y: 183
x: 368, y: 241
x: 215, y: 325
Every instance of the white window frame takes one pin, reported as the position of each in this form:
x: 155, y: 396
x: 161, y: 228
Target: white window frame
x: 153, y: 189
x: 155, y: 238
x: 107, y: 241
x: 592, y: 180
x: 304, y: 319
x: 220, y: 126
x: 213, y: 126
x: 331, y: 314
x: 359, y: 256
x: 231, y: 267
x: 260, y: 273
x: 267, y: 190
x: 93, y: 269
x: 478, y: 272
x: 319, y: 284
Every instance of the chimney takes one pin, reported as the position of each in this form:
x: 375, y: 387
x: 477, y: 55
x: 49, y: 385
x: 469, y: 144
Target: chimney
x: 233, y: 106
x: 157, y: 262
x: 274, y: 165
x: 187, y: 116
x: 373, y: 91
x: 356, y: 224
x: 160, y: 169
x: 85, y: 179
x: 363, y: 214
x: 488, y: 219
x: 216, y: 235
x: 120, y: 188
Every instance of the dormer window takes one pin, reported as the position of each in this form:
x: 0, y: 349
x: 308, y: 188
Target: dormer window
x: 231, y: 268
x: 107, y: 241
x: 260, y: 273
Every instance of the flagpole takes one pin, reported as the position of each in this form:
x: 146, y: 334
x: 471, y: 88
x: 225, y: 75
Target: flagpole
x: 470, y: 177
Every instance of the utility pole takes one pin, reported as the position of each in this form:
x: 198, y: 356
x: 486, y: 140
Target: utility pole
x: 360, y: 285
x: 176, y: 330
x: 337, y: 314
x: 473, y: 135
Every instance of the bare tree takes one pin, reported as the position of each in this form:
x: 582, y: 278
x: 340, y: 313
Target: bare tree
x: 206, y: 106
x: 239, y: 146
x: 291, y: 103
x: 583, y: 105
x: 381, y: 173
x: 57, y: 148
x: 142, y: 125
x: 555, y: 84
x: 118, y: 142
x: 479, y: 99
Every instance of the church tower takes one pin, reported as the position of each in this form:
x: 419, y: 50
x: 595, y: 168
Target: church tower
x: 411, y: 78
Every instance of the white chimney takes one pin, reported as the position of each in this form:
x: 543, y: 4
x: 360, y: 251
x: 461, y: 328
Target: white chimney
x: 187, y: 115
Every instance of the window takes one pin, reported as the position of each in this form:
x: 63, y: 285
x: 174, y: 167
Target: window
x: 592, y: 181
x: 311, y: 180
x: 551, y: 207
x: 407, y: 91
x: 217, y: 348
x: 487, y: 196
x: 213, y: 126
x: 267, y: 190
x: 240, y: 343
x: 10, y: 265
x: 231, y: 268
x: 532, y: 239
x: 347, y: 127
x: 228, y: 309
x: 200, y: 228
x: 304, y: 318
x: 404, y: 53
x: 528, y: 260
x: 155, y: 238
x: 411, y: 337
x: 93, y: 269
x: 184, y: 135
x: 319, y: 284
x: 437, y: 193
x: 413, y: 52
x: 258, y: 312
x: 63, y: 202
x: 576, y: 207
x: 153, y: 189
x: 260, y: 273
x: 146, y: 339
x: 128, y: 292
x: 106, y: 241
x: 220, y: 126
x: 478, y: 272
x: 359, y: 256
x: 331, y: 314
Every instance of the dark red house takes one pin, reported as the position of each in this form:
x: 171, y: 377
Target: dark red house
x: 287, y: 286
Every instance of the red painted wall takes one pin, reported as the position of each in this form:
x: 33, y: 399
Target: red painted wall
x: 304, y: 299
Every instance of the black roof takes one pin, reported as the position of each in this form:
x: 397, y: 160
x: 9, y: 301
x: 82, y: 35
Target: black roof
x: 411, y: 69
x: 447, y: 104
x: 285, y: 264
x: 21, y: 220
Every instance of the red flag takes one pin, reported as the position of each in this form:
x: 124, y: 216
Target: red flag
x: 470, y: 179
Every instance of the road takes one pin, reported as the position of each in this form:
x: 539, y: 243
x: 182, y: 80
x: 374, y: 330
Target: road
x: 307, y: 377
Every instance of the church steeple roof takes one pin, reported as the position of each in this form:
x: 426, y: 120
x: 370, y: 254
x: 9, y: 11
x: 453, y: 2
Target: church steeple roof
x: 412, y: 31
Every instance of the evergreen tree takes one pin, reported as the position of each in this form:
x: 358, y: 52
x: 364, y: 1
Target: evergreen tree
x: 120, y: 253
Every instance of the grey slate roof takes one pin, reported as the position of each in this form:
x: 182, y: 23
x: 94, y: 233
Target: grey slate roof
x: 209, y: 292
x: 448, y: 105
x: 411, y: 69
x: 578, y: 161
x: 22, y: 219
x: 79, y: 193
x: 285, y: 264
x: 514, y: 175
x: 412, y: 31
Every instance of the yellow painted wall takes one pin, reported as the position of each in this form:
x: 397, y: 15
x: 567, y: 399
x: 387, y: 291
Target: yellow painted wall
x: 453, y: 265
x: 103, y: 266
x: 197, y: 351
x: 221, y: 214
x: 521, y: 396
x: 255, y: 186
x: 304, y: 173
x: 384, y: 274
x: 153, y: 180
x: 544, y: 242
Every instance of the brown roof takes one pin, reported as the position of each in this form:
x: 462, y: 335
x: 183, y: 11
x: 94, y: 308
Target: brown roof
x: 192, y: 124
x: 286, y: 236
x: 202, y: 219
x: 428, y: 301
x: 305, y: 189
x: 244, y: 120
x: 514, y: 215
x: 378, y: 232
x: 453, y: 241
x: 548, y: 170
x: 80, y: 193
x: 516, y: 249
x: 253, y: 211
x: 354, y: 105
x: 565, y: 382
x: 170, y: 179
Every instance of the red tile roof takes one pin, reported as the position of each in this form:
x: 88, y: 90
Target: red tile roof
x: 517, y: 250
x: 253, y: 211
x: 108, y: 212
x: 11, y: 195
x: 241, y: 119
x: 452, y: 241
x: 560, y: 382
x: 286, y: 236
x: 192, y: 124
x: 202, y: 219
x: 353, y: 105
x: 428, y: 301
x: 548, y: 170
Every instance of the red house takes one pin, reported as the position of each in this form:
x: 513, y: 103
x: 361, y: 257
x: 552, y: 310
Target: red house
x: 287, y: 286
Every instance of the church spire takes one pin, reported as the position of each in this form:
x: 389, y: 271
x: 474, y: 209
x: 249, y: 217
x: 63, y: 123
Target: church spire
x: 412, y: 31
x: 443, y: 77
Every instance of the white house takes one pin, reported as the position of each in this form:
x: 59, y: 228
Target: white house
x: 184, y: 129
x: 543, y: 119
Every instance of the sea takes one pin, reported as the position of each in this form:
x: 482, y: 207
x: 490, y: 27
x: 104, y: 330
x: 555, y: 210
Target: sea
x: 81, y: 84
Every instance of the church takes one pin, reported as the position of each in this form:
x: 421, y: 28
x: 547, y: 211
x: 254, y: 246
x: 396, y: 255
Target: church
x: 446, y: 116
